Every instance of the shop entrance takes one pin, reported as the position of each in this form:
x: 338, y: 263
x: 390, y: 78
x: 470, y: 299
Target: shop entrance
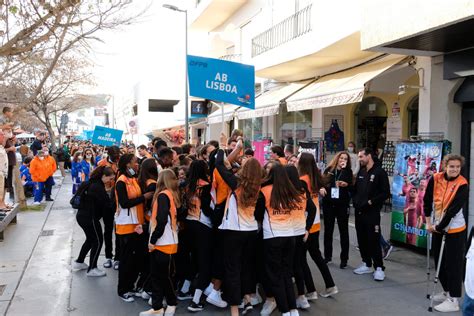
x: 371, y: 123
x: 413, y: 117
x: 467, y: 150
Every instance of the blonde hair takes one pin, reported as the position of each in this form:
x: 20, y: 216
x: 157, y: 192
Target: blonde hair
x: 167, y: 180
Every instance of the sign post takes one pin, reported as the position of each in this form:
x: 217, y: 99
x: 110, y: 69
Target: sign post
x: 106, y: 136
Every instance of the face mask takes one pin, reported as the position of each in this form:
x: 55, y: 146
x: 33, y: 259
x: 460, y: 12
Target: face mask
x: 46, y: 153
x: 350, y: 149
x: 131, y: 171
x: 79, y: 158
x: 41, y: 158
x: 88, y: 156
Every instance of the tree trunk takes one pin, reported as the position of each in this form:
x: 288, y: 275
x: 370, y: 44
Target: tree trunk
x: 51, y: 134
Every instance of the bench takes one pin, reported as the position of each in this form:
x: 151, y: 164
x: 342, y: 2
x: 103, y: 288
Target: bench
x: 9, y: 219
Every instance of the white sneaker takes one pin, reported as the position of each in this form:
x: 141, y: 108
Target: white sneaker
x: 294, y: 312
x: 79, y: 266
x: 268, y: 307
x: 215, y: 299
x: 330, y: 292
x: 150, y: 302
x: 313, y: 296
x: 145, y: 295
x: 170, y: 310
x: 449, y: 305
x: 363, y: 269
x: 286, y: 314
x: 255, y: 299
x: 379, y: 275
x: 302, y: 302
x: 440, y: 297
x: 209, y: 289
x: 96, y: 273
x: 36, y: 203
x: 152, y: 312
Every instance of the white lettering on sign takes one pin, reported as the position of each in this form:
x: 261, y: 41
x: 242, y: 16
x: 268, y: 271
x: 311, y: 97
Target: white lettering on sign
x: 107, y: 137
x: 220, y: 84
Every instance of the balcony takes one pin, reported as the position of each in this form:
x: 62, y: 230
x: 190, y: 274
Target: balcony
x: 210, y: 14
x: 292, y: 27
x: 232, y: 57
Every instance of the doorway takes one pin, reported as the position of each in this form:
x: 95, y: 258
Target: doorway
x: 467, y: 150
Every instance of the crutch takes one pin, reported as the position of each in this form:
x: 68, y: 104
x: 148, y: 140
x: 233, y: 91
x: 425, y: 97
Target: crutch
x: 428, y: 264
x: 436, y: 278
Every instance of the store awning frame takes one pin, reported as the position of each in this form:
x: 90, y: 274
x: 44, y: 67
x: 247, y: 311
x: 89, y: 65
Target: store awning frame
x: 341, y: 88
x: 229, y: 114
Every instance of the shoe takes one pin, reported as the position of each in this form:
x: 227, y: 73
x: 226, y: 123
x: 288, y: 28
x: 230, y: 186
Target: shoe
x: 127, y: 297
x: 153, y: 312
x: 440, y: 297
x: 116, y: 265
x: 150, y: 302
x: 193, y: 307
x: 363, y: 269
x: 330, y: 291
x: 268, y: 307
x: 449, y: 305
x: 170, y: 310
x: 286, y: 314
x: 313, y: 296
x: 108, y: 263
x: 328, y: 260
x: 379, y: 275
x: 138, y: 292
x: 209, y: 289
x: 79, y: 266
x: 388, y: 251
x: 247, y: 308
x: 215, y: 299
x: 146, y: 295
x: 96, y: 273
x: 294, y: 312
x: 36, y: 203
x: 49, y: 199
x: 184, y: 296
x: 255, y: 299
x: 242, y: 305
x: 302, y: 302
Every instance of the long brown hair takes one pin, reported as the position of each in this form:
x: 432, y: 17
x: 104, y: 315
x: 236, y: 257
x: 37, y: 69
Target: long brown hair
x: 167, y: 180
x: 307, y: 166
x: 334, y: 162
x: 284, y: 195
x: 250, y: 179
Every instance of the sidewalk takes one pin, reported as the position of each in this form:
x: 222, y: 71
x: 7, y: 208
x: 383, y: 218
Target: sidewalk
x: 36, y: 272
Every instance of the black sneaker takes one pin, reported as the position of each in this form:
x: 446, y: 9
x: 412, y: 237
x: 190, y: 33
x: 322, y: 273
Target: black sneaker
x: 343, y: 265
x: 328, y: 260
x: 128, y: 297
x: 49, y: 199
x: 108, y: 263
x: 247, y: 308
x: 193, y: 307
x: 183, y: 296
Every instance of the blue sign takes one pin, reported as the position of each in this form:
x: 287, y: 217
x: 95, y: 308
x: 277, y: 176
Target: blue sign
x: 221, y: 80
x: 106, y: 136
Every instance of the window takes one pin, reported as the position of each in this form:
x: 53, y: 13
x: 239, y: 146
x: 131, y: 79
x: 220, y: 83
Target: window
x: 413, y: 117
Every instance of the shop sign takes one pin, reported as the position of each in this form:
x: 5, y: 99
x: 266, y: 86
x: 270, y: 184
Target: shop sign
x: 105, y: 136
x: 222, y: 81
x: 396, y: 110
x: 394, y: 129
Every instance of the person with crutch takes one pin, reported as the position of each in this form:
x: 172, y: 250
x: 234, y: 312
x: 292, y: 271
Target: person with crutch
x: 446, y: 194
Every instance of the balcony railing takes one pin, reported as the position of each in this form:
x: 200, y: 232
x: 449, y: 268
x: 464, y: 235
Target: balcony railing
x: 292, y: 27
x: 232, y: 57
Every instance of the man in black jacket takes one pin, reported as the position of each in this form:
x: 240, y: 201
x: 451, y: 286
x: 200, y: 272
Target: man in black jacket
x: 371, y: 190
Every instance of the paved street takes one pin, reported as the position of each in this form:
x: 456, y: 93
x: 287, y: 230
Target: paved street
x: 36, y: 272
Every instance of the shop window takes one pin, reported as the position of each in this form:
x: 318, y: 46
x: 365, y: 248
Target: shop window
x: 413, y: 117
x: 253, y: 128
x: 371, y: 123
x: 293, y: 127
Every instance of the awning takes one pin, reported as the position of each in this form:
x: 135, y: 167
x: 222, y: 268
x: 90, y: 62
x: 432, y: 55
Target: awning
x: 216, y: 116
x: 341, y: 88
x: 268, y: 104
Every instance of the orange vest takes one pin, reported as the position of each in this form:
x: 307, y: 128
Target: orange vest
x: 315, y: 196
x: 40, y: 169
x: 281, y: 223
x: 444, y: 192
x: 148, y: 212
x: 283, y: 161
x: 222, y: 190
x: 127, y: 219
x: 194, y: 210
x: 237, y: 217
x: 168, y: 242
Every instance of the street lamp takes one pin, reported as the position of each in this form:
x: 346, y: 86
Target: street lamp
x: 186, y: 117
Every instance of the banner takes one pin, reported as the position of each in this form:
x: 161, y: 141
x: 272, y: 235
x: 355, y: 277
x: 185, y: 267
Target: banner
x: 415, y: 163
x: 106, y: 136
x: 221, y: 80
x: 261, y: 150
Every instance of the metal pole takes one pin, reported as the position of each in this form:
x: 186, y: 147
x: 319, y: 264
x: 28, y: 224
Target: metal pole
x: 186, y: 119
x: 222, y: 116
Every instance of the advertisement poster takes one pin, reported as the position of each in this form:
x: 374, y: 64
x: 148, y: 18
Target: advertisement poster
x: 260, y: 150
x: 317, y: 149
x: 415, y: 163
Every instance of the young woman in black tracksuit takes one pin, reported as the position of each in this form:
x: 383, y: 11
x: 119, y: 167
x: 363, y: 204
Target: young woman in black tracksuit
x: 93, y: 201
x: 198, y: 222
x: 338, y: 180
x: 239, y: 231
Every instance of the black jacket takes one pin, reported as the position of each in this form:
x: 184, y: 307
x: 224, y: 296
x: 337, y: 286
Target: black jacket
x: 96, y: 200
x: 371, y: 185
x: 344, y: 196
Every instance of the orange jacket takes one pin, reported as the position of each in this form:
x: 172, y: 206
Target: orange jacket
x: 41, y: 170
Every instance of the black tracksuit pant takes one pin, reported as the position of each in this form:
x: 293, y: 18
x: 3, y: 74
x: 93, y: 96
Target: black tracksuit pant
x: 144, y: 281
x: 93, y: 242
x: 312, y: 246
x: 341, y: 214
x: 108, y: 219
x: 451, y: 273
x: 162, y: 273
x: 301, y: 268
x: 368, y: 236
x: 184, y: 268
x: 279, y: 254
x: 239, y: 264
x: 131, y: 259
x: 201, y: 251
